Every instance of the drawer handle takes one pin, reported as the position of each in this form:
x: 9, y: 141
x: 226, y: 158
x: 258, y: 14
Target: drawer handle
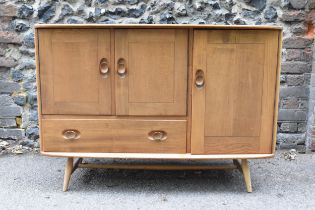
x: 104, y: 69
x: 200, y: 80
x: 157, y: 136
x: 71, y: 134
x: 121, y: 68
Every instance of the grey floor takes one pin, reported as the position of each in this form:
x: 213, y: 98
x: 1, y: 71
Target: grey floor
x: 35, y: 182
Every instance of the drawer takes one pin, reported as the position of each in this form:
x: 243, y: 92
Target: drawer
x: 113, y: 135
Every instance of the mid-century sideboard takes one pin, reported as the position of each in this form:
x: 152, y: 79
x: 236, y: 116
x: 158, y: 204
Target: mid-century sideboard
x: 158, y: 92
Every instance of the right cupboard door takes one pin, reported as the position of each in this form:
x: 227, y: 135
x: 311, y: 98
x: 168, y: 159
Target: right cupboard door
x: 233, y: 96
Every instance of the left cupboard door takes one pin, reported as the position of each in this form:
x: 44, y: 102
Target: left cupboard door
x: 75, y: 71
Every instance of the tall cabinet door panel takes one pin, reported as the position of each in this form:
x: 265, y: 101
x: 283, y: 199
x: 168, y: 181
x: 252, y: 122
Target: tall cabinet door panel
x: 233, y: 106
x: 151, y: 72
x: 74, y: 71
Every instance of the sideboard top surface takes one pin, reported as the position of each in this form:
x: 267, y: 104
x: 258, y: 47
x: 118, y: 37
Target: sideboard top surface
x: 195, y: 26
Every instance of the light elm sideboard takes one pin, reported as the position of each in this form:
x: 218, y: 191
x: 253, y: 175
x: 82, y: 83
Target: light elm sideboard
x: 158, y: 92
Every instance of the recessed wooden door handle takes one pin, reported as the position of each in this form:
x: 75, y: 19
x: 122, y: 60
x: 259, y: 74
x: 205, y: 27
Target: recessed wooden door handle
x: 157, y: 135
x: 71, y: 134
x: 121, y: 68
x: 199, y: 79
x: 104, y: 68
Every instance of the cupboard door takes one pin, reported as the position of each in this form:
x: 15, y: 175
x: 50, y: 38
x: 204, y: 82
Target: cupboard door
x: 234, y: 93
x: 74, y: 71
x: 151, y: 71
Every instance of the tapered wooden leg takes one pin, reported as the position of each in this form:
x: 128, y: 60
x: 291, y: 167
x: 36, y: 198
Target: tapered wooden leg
x: 68, y: 172
x: 246, y: 174
x: 244, y: 169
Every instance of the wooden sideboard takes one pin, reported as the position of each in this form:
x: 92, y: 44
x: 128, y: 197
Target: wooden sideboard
x: 158, y: 92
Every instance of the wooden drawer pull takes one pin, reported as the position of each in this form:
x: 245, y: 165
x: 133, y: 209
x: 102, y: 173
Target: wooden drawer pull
x: 157, y: 136
x: 104, y: 69
x: 71, y: 134
x: 200, y: 81
x: 121, y: 68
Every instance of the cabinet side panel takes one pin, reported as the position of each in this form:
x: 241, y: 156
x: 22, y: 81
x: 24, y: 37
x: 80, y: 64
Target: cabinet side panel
x: 270, y: 84
x: 277, y: 92
x: 39, y: 100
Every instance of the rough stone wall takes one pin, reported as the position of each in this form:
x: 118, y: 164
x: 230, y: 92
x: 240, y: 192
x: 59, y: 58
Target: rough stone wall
x: 18, y: 109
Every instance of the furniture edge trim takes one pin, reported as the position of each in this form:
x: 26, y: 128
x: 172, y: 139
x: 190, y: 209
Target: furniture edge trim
x: 200, y: 26
x: 277, y: 93
x: 157, y: 155
x: 38, y: 85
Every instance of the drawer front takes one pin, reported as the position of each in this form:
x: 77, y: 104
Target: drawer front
x: 113, y: 135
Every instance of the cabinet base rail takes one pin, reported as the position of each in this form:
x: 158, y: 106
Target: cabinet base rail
x: 241, y: 165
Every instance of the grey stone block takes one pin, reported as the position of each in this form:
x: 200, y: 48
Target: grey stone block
x: 295, y: 80
x: 299, y: 28
x: 7, y: 122
x: 21, y: 26
x: 65, y: 11
x: 20, y: 100
x: 7, y: 62
x: 9, y: 37
x: 283, y: 79
x: 298, y: 55
x: 27, y: 143
x: 28, y: 40
x: 307, y: 78
x: 289, y: 103
x: 303, y: 103
x: 33, y: 116
x: 293, y: 15
x: 294, y: 92
x: 8, y: 87
x: 302, y: 127
x: 297, y: 42
x: 288, y: 127
x: 312, y: 92
x: 293, y: 103
x: 312, y: 82
x: 298, y: 4
x: 6, y: 100
x: 32, y: 133
x: 271, y: 14
x: 258, y: 4
x: 25, y: 11
x: 295, y: 67
x: 16, y: 134
x: 32, y: 99
x: 10, y: 111
x: 292, y: 139
x: 8, y: 10
x: 47, y: 11
x: 292, y: 115
x: 17, y: 75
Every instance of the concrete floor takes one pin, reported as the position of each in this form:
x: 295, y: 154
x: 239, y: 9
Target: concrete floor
x: 35, y: 182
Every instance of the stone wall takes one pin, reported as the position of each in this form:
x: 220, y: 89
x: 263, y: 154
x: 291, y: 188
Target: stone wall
x: 18, y: 109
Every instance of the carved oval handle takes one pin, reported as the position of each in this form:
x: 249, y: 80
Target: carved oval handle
x: 199, y: 80
x: 121, y: 68
x: 71, y: 134
x: 157, y: 135
x: 104, y: 68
